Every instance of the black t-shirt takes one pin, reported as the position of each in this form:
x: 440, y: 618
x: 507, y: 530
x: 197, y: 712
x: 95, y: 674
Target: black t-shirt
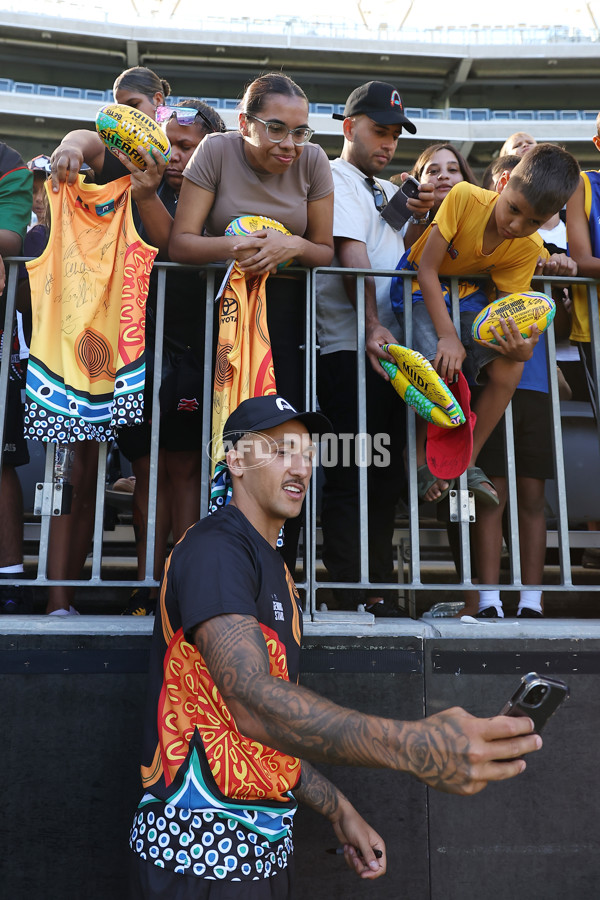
x: 112, y: 168
x: 185, y: 295
x: 216, y: 787
x: 185, y: 288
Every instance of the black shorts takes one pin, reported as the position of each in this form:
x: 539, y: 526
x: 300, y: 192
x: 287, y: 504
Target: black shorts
x: 15, y: 446
x: 178, y: 431
x: 532, y: 428
x: 585, y: 355
x: 149, y: 882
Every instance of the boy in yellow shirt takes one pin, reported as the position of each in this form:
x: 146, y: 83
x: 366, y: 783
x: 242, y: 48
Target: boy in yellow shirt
x: 479, y: 232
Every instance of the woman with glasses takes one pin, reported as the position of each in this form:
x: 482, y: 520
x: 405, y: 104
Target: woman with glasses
x: 267, y: 167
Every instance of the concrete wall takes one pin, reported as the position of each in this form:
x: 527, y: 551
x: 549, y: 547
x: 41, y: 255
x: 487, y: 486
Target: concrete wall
x: 71, y: 705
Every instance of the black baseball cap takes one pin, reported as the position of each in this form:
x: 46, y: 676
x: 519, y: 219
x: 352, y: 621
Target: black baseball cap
x: 260, y: 413
x: 379, y: 101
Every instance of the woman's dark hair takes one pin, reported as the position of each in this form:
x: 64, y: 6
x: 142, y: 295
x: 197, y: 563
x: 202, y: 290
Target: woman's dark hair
x: 143, y: 81
x: 465, y: 169
x: 207, y: 113
x: 259, y: 90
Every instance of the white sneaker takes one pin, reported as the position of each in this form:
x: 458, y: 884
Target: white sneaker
x: 71, y: 611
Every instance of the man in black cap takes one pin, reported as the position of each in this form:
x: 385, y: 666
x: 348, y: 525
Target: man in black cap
x: 227, y: 719
x: 373, y: 121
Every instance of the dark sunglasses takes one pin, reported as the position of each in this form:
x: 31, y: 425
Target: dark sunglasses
x: 379, y: 197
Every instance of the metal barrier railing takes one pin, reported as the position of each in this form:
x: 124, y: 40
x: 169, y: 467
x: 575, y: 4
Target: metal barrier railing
x: 415, y: 581
x: 411, y: 581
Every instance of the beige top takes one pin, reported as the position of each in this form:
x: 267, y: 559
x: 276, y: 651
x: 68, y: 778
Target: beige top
x: 219, y: 165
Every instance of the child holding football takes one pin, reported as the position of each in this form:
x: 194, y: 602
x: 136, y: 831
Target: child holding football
x: 477, y: 232
x: 534, y: 464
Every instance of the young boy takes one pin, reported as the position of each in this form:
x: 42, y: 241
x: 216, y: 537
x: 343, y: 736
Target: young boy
x: 480, y: 232
x: 534, y: 464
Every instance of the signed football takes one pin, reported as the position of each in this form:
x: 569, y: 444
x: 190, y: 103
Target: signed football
x: 526, y: 309
x: 124, y: 128
x: 244, y: 225
x: 420, y: 386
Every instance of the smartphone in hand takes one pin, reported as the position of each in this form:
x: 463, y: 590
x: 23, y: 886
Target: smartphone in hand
x: 396, y: 213
x: 537, y: 697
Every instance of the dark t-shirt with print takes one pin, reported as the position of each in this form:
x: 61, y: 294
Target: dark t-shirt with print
x: 217, y: 805
x: 185, y: 288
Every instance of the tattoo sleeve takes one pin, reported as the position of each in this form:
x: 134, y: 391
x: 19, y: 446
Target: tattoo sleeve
x: 318, y: 792
x: 293, y: 719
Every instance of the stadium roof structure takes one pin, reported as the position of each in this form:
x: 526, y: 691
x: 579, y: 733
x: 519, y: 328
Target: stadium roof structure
x: 471, y: 86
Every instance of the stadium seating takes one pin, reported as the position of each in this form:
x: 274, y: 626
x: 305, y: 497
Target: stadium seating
x: 47, y: 90
x: 324, y: 109
x: 23, y: 87
x: 452, y: 113
x: 95, y: 96
x: 71, y: 93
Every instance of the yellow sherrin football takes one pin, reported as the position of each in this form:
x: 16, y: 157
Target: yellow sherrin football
x: 123, y: 129
x: 526, y: 309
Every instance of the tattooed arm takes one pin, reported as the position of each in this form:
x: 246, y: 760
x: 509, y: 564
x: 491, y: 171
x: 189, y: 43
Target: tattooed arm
x: 451, y: 751
x: 356, y: 835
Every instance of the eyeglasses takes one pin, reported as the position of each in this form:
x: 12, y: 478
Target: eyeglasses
x: 379, y: 197
x: 44, y: 164
x: 185, y: 115
x: 277, y: 131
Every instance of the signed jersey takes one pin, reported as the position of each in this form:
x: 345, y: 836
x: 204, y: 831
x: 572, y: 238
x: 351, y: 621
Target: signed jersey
x: 88, y: 295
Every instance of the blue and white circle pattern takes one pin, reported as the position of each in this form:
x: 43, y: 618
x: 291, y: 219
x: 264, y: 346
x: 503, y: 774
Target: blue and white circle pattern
x: 207, y: 845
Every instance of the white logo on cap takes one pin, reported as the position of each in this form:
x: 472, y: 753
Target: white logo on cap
x: 283, y: 404
x: 395, y: 99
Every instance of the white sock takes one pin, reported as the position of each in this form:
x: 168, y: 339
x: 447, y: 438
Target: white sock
x: 11, y: 570
x: 491, y: 598
x: 531, y: 600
